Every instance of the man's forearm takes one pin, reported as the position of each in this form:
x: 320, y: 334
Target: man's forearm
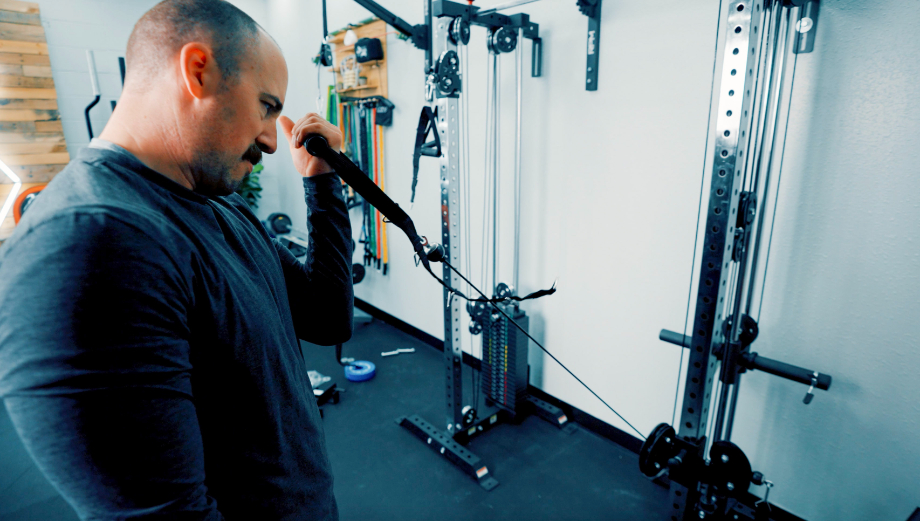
x: 321, y: 291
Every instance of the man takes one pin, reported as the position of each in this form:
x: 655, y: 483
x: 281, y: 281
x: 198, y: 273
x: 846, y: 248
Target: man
x: 149, y: 352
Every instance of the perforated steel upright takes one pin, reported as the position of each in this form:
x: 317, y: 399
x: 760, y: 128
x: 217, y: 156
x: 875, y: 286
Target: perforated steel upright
x: 742, y: 29
x: 448, y: 123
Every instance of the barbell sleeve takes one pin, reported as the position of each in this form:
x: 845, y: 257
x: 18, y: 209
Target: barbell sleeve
x: 675, y: 338
x: 784, y: 370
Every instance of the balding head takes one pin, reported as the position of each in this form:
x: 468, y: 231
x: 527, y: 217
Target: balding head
x: 160, y: 34
x: 203, y: 91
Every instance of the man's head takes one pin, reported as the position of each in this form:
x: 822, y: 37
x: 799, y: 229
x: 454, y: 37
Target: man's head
x: 221, y: 80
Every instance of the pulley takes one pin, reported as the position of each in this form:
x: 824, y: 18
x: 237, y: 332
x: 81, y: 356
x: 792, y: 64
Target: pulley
x: 469, y: 415
x: 325, y: 55
x: 460, y: 31
x: 749, y: 330
x: 502, y: 40
x: 479, y: 312
x: 448, y: 72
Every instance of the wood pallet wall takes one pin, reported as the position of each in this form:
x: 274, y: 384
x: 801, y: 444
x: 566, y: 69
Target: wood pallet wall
x: 31, y: 136
x: 375, y: 72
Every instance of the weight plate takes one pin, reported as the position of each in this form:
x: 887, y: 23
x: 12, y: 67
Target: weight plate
x: 657, y: 450
x: 357, y: 273
x: 24, y: 200
x: 280, y: 223
x: 360, y: 371
x: 730, y: 468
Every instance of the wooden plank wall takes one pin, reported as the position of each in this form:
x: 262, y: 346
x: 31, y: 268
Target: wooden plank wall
x: 31, y: 137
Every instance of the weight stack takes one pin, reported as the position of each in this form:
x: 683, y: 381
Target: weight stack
x: 504, y: 359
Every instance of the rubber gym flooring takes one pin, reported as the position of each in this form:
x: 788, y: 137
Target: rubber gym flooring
x: 385, y: 473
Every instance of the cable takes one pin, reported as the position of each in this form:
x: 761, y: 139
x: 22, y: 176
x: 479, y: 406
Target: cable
x: 534, y: 340
x: 779, y: 178
x: 485, y: 178
x: 699, y: 209
x: 351, y: 174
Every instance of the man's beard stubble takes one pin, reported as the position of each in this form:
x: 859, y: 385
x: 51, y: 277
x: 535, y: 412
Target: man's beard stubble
x: 213, y: 171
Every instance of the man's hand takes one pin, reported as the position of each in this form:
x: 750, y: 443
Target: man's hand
x: 307, y: 165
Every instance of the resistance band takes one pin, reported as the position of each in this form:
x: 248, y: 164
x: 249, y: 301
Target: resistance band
x: 377, y: 182
x: 363, y: 144
x: 386, y: 249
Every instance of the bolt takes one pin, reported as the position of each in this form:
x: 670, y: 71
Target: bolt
x: 667, y: 440
x: 730, y: 486
x: 657, y: 465
x: 725, y: 458
x: 702, y: 514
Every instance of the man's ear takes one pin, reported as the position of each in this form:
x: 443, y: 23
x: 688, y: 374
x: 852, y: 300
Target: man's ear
x: 198, y: 69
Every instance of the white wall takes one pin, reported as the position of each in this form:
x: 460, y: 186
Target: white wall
x: 103, y: 26
x: 611, y: 181
x: 592, y: 161
x: 845, y: 275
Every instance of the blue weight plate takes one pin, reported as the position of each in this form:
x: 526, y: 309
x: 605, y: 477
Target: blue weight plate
x: 360, y: 371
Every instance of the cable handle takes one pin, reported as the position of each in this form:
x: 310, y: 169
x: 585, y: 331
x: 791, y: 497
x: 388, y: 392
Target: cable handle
x: 317, y: 146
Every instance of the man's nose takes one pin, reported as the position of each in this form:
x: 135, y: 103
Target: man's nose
x: 268, y: 139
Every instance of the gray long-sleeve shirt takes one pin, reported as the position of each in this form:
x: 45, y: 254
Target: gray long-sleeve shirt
x: 149, y: 353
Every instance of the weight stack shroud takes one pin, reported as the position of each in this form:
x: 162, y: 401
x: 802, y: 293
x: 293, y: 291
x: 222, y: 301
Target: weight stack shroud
x: 504, y: 359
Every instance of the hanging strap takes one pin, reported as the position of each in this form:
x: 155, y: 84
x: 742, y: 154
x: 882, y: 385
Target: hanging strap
x: 426, y: 124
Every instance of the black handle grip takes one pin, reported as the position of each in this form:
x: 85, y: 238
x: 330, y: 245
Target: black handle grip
x: 350, y: 173
x: 675, y: 338
x: 784, y: 370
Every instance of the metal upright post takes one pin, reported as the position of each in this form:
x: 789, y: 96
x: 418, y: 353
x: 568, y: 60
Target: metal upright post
x: 518, y: 76
x: 733, y: 115
x: 449, y: 128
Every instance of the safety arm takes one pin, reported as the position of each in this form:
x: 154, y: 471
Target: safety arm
x: 417, y: 33
x: 761, y: 363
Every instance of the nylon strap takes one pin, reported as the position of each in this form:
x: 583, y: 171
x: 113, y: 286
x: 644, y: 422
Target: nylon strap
x: 426, y: 124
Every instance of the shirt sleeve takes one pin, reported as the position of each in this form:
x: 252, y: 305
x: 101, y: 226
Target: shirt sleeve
x: 94, y: 365
x: 320, y: 289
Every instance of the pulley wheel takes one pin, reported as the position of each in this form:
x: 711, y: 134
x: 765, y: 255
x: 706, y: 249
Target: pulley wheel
x: 502, y: 40
x: 280, y: 223
x: 475, y: 327
x: 657, y: 450
x: 449, y: 73
x: 469, y: 415
x: 460, y: 31
x: 24, y: 200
